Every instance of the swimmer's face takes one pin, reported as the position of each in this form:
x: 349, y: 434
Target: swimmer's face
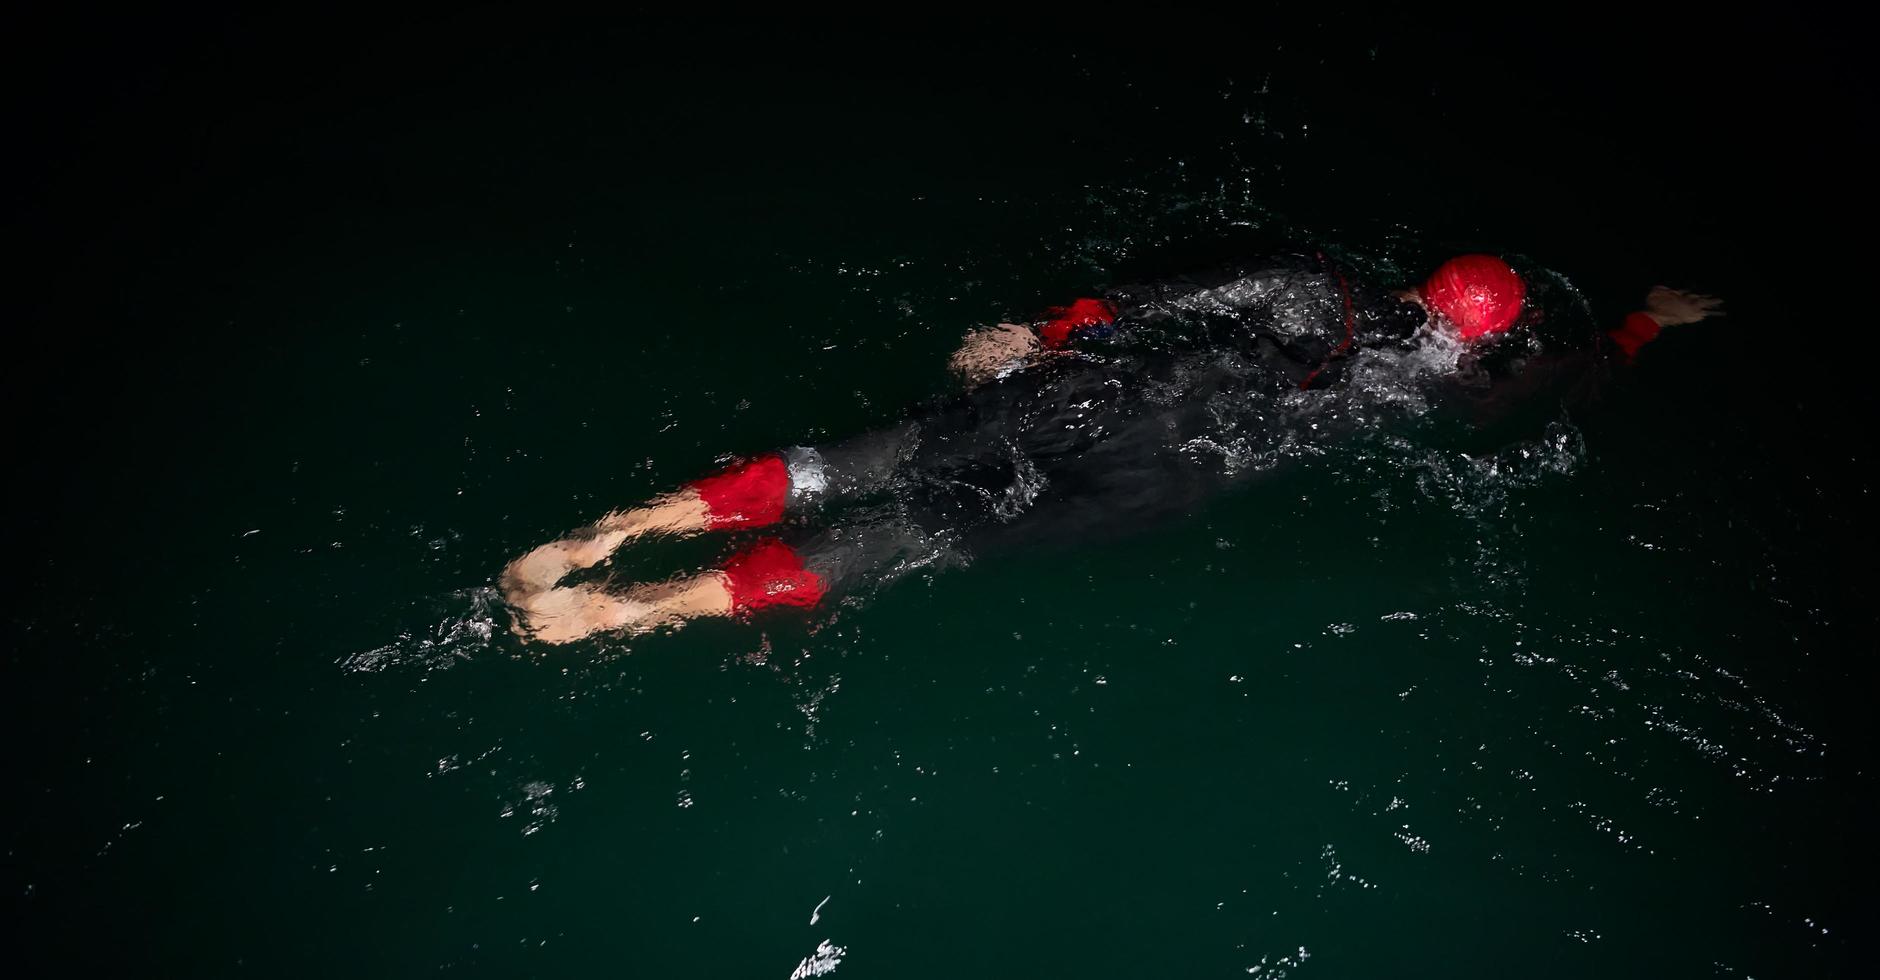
x: 1437, y: 324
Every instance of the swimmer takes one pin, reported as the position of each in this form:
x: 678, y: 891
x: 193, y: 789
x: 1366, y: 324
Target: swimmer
x: 1102, y: 414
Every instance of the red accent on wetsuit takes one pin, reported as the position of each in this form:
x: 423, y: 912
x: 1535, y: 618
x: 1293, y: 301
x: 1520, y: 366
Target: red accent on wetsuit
x: 771, y: 573
x: 1066, y: 320
x: 1638, y: 330
x: 1351, y: 328
x: 746, y: 495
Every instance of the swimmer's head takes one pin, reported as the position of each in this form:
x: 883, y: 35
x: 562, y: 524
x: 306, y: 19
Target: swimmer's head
x: 1477, y: 294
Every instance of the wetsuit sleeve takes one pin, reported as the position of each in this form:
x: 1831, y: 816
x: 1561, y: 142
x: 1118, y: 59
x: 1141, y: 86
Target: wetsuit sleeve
x: 1172, y: 313
x: 1086, y: 318
x: 1302, y: 306
x: 1638, y: 330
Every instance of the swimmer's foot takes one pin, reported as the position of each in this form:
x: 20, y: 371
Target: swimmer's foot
x: 544, y: 567
x: 563, y: 615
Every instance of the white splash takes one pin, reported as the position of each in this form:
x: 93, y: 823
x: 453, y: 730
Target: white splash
x: 468, y: 627
x: 822, y: 961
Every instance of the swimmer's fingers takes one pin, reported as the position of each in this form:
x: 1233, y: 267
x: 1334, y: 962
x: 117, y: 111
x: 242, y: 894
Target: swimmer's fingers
x: 1700, y: 301
x: 1672, y: 307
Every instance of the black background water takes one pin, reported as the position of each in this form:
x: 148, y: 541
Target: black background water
x: 316, y: 325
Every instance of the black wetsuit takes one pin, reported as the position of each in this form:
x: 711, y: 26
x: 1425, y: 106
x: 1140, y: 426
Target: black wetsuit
x: 1197, y: 382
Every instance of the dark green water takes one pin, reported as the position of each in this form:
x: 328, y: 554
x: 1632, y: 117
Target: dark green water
x: 321, y: 331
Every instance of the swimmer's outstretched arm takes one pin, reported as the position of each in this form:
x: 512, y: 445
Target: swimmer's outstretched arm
x: 994, y: 352
x: 1664, y: 307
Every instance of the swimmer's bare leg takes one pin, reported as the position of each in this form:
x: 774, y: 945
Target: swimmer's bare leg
x: 538, y: 571
x: 563, y: 615
x: 751, y: 494
x: 681, y: 512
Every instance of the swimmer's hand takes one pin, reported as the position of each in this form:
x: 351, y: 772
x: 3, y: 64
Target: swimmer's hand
x: 991, y: 352
x: 1672, y: 307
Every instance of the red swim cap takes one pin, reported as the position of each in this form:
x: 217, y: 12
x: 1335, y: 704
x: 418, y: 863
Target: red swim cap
x: 1480, y: 294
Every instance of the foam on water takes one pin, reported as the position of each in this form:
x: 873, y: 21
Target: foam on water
x: 471, y: 619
